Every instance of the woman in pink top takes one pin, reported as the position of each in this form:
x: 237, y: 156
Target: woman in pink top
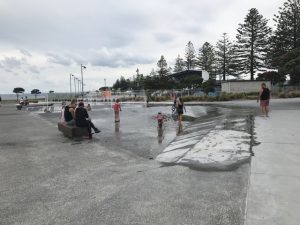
x: 117, y: 109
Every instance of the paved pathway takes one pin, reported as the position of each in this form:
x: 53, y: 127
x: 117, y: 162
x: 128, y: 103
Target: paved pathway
x: 273, y: 195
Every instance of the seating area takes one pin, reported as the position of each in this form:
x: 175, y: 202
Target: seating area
x: 72, y: 131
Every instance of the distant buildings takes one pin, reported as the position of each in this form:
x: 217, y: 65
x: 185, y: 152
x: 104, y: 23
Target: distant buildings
x: 243, y: 86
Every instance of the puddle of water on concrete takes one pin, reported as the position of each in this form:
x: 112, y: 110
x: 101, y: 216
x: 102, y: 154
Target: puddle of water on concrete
x: 138, y: 131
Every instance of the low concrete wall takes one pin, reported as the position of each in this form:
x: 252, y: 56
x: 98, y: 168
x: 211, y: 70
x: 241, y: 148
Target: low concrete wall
x: 243, y: 86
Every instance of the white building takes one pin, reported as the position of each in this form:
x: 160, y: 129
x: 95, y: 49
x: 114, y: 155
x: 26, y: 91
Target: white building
x: 243, y: 86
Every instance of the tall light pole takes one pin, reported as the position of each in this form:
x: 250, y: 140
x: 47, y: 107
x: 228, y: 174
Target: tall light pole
x: 74, y: 85
x: 82, y: 67
x: 70, y: 85
x: 78, y: 83
x: 105, y: 83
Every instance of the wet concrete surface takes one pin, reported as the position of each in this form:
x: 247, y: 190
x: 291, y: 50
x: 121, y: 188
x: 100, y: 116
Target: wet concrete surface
x: 49, y: 179
x: 138, y: 130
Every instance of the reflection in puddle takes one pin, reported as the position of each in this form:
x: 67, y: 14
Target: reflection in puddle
x: 140, y: 135
x: 179, y: 128
x: 160, y: 134
x: 117, y: 126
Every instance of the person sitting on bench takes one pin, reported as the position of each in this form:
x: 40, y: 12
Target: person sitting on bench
x: 82, y: 119
x: 69, y: 113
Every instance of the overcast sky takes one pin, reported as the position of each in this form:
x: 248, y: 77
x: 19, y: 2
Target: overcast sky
x: 42, y: 42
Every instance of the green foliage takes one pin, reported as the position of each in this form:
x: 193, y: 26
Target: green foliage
x: 272, y: 76
x: 252, y: 43
x: 287, y: 33
x: 225, y: 57
x: 253, y: 51
x: 190, y: 57
x: 290, y: 94
x: 18, y: 90
x: 206, y: 59
x: 179, y: 64
x: 122, y: 84
x: 162, y: 66
x: 208, y: 86
x: 151, y: 82
x: 289, y: 63
x: 190, y: 82
x: 35, y: 92
x: 284, y: 53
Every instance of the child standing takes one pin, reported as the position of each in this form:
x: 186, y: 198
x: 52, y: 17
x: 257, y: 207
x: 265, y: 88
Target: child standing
x: 160, y: 117
x: 117, y: 109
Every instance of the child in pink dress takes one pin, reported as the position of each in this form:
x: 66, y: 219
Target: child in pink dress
x: 117, y: 109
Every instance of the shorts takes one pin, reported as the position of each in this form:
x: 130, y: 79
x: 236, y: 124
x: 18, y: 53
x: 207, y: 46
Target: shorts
x: 264, y: 103
x: 179, y: 111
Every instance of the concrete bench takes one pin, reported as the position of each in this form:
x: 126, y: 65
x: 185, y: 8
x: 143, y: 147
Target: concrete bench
x: 72, y: 131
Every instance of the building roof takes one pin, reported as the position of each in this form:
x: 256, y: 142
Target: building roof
x: 186, y: 72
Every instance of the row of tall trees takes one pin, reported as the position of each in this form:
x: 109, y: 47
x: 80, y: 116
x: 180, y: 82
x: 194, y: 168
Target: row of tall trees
x: 285, y: 43
x: 256, y: 49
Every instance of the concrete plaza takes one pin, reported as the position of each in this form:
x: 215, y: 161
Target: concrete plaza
x: 48, y: 179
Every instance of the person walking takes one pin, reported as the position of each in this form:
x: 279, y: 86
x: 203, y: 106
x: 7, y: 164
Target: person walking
x: 117, y: 109
x: 264, y: 98
x: 82, y: 119
x: 180, y: 106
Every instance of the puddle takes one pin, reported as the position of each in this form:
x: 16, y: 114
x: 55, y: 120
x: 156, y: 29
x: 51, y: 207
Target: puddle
x: 210, y: 138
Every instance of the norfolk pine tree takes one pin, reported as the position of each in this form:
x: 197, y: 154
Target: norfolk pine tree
x: 163, y: 71
x: 190, y: 57
x: 252, y: 43
x: 225, y: 57
x: 162, y: 66
x: 179, y: 64
x: 206, y: 59
x: 285, y: 51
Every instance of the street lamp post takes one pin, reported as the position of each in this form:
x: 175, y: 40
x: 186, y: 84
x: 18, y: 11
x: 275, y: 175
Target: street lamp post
x: 105, y: 83
x: 74, y: 85
x: 82, y: 67
x: 78, y: 84
x: 70, y: 85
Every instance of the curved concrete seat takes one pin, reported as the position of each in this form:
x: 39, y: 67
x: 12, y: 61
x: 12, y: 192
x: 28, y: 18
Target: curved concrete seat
x: 72, y: 131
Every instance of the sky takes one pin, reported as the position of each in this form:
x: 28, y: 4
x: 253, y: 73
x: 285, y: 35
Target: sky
x: 42, y: 42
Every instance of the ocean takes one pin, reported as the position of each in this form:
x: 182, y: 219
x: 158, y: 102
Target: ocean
x: 29, y: 96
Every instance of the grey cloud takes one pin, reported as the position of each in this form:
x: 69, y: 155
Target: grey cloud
x: 59, y: 59
x: 15, y: 65
x: 78, y: 58
x: 10, y: 63
x: 163, y: 37
x: 24, y: 52
x: 117, y: 58
x: 8, y: 70
x: 41, y: 26
x: 34, y: 69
